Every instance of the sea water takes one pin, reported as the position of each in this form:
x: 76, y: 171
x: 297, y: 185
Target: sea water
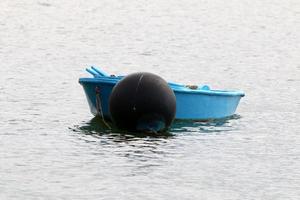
x: 52, y: 148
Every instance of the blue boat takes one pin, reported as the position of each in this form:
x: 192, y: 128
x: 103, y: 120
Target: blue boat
x: 192, y: 102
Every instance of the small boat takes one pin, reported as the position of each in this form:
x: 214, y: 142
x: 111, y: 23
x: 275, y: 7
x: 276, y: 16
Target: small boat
x: 192, y: 102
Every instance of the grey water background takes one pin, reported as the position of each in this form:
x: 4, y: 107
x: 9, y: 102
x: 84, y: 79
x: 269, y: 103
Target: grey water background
x: 52, y: 148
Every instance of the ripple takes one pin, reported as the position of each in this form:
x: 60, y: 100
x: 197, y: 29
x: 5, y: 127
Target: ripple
x: 146, y: 53
x: 200, y: 127
x: 96, y: 127
x: 44, y: 4
x: 50, y: 149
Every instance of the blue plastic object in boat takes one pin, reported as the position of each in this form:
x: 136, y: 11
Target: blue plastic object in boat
x: 192, y: 104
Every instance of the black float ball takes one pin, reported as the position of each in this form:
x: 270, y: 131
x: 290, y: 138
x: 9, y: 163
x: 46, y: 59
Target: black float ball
x: 142, y: 102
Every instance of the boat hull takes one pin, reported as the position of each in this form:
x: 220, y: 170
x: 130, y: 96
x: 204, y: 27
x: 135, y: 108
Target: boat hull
x: 195, y: 106
x: 199, y: 104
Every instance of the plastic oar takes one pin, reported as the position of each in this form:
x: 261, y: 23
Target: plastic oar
x: 96, y: 72
x: 92, y: 72
x: 100, y: 72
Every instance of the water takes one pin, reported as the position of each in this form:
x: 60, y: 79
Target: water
x: 52, y: 148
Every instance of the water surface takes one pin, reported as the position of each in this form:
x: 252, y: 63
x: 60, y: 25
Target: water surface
x: 52, y: 148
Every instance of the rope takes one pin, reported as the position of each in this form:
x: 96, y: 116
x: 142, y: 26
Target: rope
x: 99, y: 107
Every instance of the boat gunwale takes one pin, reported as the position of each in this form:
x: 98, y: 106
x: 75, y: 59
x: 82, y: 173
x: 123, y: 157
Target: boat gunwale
x: 178, y: 88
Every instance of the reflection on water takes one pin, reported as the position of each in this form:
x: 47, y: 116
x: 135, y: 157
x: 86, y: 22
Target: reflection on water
x: 141, y: 153
x: 204, y: 127
x: 96, y: 127
x: 226, y: 44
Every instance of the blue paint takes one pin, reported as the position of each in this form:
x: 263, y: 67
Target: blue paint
x: 194, y: 104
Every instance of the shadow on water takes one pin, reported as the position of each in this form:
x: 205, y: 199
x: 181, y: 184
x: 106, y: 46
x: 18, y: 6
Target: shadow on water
x: 205, y: 127
x: 96, y: 128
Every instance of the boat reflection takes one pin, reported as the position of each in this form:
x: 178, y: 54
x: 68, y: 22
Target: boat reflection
x: 205, y: 127
x: 96, y: 128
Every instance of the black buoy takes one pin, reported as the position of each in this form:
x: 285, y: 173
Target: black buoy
x: 142, y: 102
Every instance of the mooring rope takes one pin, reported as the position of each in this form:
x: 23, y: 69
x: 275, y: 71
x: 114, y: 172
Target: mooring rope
x: 99, y: 107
